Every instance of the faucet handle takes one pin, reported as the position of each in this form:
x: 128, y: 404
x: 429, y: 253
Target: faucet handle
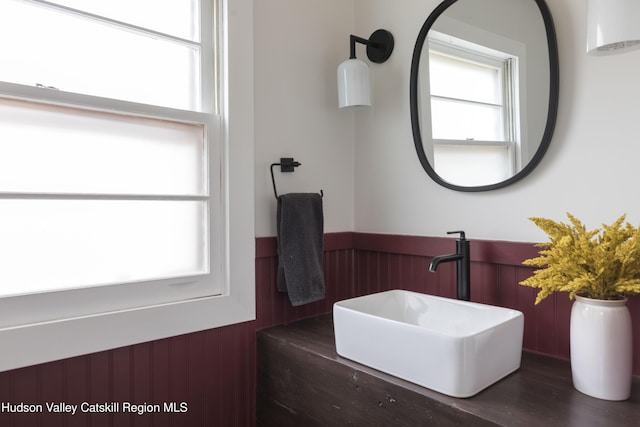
x: 460, y: 232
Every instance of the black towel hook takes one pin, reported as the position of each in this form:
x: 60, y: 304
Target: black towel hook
x: 287, y: 164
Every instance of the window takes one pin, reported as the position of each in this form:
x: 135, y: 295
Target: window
x: 114, y: 49
x: 114, y: 172
x: 474, y: 111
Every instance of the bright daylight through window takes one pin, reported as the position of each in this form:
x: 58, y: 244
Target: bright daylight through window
x: 109, y: 156
x: 474, y: 112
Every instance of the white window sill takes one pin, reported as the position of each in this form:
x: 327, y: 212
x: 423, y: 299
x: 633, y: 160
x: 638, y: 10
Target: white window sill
x: 34, y: 344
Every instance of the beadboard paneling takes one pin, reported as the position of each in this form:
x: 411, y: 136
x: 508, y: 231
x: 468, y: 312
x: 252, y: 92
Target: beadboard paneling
x: 273, y: 307
x: 214, y: 370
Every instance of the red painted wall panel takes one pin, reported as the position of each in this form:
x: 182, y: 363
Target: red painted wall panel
x: 214, y: 371
x: 273, y: 307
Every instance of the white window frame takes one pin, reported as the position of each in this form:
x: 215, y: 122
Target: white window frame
x: 30, y: 344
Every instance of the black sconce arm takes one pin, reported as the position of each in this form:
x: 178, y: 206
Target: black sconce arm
x: 379, y: 46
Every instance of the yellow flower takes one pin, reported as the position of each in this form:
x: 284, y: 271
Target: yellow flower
x: 602, y: 263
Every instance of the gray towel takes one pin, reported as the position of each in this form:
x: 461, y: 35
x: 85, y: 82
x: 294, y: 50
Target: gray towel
x: 300, y: 246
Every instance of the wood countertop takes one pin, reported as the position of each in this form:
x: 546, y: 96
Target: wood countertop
x: 303, y: 381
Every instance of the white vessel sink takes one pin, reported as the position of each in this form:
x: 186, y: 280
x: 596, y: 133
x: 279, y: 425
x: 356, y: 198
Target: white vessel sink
x: 457, y: 348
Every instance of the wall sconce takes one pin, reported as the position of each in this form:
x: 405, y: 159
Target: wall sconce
x: 353, y: 74
x: 612, y: 26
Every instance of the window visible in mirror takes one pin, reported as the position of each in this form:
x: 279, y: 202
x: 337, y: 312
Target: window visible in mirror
x: 473, y: 110
x: 524, y: 29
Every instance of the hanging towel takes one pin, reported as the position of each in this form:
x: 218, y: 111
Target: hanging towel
x: 300, y: 246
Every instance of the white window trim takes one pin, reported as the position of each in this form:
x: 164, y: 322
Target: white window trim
x: 47, y: 341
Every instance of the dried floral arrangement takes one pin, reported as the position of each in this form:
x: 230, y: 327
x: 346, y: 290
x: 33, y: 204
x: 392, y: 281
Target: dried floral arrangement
x: 602, y: 264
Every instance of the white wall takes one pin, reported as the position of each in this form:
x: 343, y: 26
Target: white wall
x: 298, y: 47
x: 590, y: 169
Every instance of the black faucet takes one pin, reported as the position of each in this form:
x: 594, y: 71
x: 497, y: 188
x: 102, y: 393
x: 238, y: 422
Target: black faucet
x: 463, y: 266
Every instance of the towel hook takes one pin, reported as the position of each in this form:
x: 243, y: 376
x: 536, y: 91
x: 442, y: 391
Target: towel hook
x: 287, y: 164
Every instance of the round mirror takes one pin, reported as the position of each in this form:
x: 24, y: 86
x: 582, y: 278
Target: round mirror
x: 484, y: 91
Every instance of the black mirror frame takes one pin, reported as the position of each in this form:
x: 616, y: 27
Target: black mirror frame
x: 552, y: 44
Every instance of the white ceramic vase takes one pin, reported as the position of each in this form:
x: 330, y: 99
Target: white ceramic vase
x: 601, y: 348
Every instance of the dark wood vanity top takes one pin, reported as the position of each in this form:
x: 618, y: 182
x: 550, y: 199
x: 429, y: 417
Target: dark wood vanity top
x: 301, y: 358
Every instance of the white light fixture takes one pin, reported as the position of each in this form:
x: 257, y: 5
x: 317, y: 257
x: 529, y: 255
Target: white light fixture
x: 613, y: 26
x: 354, y: 87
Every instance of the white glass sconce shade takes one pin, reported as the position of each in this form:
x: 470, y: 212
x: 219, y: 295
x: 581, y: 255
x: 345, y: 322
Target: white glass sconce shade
x: 354, y: 88
x: 613, y: 26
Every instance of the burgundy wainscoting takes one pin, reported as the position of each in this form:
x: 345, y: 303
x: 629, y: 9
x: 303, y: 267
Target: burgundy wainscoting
x: 212, y: 371
x: 273, y: 307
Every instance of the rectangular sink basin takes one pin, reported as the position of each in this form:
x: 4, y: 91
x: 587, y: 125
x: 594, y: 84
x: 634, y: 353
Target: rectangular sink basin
x: 457, y: 348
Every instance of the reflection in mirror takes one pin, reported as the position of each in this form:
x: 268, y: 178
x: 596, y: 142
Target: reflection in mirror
x: 484, y: 95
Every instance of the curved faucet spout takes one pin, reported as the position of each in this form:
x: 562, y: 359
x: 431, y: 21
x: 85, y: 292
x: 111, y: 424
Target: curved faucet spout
x: 433, y: 266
